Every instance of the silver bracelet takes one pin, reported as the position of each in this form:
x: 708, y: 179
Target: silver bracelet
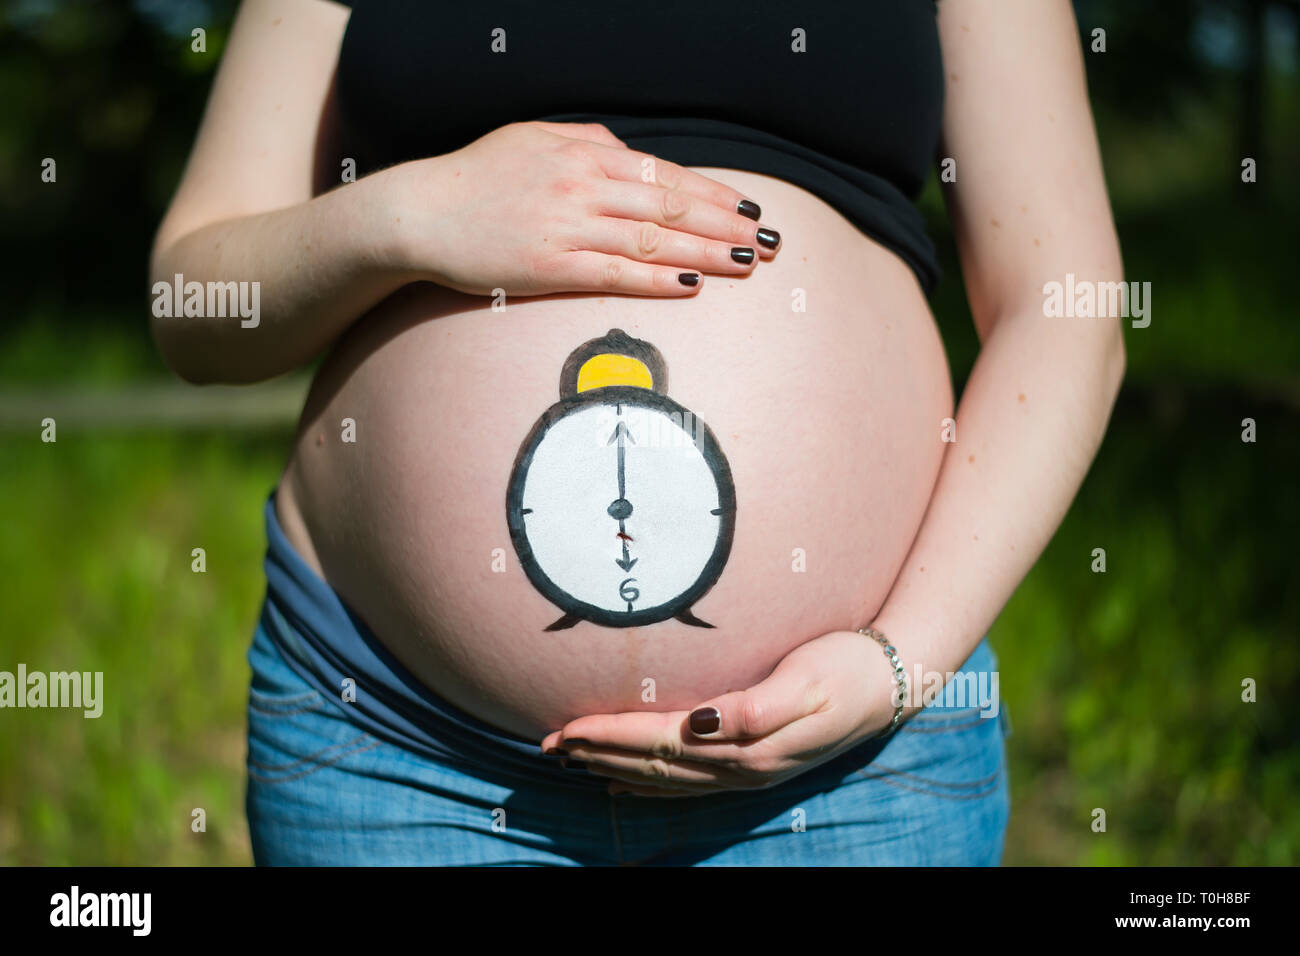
x: 900, y: 679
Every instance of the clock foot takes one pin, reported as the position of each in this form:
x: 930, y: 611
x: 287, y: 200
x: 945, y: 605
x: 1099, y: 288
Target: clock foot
x: 686, y: 617
x: 563, y: 623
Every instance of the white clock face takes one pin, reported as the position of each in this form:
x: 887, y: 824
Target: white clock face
x: 620, y: 508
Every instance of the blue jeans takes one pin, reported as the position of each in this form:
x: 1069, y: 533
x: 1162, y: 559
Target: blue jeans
x: 398, y: 776
x: 322, y: 791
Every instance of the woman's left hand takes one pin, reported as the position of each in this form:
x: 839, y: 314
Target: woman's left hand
x: 824, y: 697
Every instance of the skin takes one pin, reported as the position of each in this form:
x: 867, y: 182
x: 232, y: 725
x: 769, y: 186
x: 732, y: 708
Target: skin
x: 1029, y: 206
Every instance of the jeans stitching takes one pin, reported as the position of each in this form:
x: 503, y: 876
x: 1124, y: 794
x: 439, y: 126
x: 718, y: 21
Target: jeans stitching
x: 906, y: 728
x: 286, y: 706
x: 989, y: 784
x: 306, y: 773
x: 943, y: 713
x: 315, y: 709
x: 981, y: 795
x: 310, y: 757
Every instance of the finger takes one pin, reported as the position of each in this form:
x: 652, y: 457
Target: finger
x: 651, y: 242
x: 590, y: 132
x: 647, y: 768
x: 784, y: 697
x: 679, y: 210
x: 633, y: 166
x: 588, y: 271
x: 658, y: 734
x: 638, y: 731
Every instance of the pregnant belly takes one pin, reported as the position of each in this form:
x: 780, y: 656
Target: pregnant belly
x: 760, y: 463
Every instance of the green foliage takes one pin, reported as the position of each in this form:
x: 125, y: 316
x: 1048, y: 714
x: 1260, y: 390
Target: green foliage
x: 1125, y: 687
x: 95, y: 549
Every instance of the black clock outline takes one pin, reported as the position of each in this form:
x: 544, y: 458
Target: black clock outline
x: 574, y: 609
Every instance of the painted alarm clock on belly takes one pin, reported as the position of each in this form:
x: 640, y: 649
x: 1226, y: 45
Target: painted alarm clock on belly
x: 621, y: 504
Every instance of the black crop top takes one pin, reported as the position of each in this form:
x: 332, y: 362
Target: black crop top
x: 853, y: 120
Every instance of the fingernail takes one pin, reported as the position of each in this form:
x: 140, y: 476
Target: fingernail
x: 749, y: 209
x: 769, y: 238
x: 689, y: 278
x: 556, y: 752
x: 742, y: 254
x: 706, y: 720
x: 573, y: 764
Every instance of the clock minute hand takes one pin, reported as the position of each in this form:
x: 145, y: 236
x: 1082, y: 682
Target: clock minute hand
x: 621, y: 433
x: 622, y: 461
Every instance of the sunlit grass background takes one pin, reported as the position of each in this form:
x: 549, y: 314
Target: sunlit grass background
x: 1124, y: 688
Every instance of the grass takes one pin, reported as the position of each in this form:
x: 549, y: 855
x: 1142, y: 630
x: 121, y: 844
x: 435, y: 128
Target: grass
x: 1125, y: 687
x: 111, y: 589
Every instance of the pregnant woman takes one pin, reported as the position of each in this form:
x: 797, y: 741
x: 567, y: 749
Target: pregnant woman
x: 630, y: 519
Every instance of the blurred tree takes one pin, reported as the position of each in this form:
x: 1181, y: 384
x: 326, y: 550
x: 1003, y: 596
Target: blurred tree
x: 112, y: 92
x: 1150, y: 64
x: 1163, y: 56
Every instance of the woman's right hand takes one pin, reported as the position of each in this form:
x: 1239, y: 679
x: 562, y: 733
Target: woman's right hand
x: 540, y: 207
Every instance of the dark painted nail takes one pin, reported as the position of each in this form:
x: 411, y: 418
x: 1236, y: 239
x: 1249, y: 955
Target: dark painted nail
x: 689, y: 278
x: 742, y: 254
x: 769, y: 238
x: 557, y: 752
x: 573, y: 764
x: 706, y: 720
x: 749, y: 209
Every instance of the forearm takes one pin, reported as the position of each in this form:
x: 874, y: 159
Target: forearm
x: 1029, y: 423
x: 318, y: 265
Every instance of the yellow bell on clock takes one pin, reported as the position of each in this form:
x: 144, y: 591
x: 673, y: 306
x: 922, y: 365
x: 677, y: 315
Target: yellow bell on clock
x: 609, y: 369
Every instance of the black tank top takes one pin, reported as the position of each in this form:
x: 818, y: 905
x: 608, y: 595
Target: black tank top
x: 841, y: 98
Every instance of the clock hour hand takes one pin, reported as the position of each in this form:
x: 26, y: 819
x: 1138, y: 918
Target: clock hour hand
x: 627, y: 560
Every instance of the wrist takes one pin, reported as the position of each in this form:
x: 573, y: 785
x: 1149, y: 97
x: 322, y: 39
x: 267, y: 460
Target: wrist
x: 889, y: 693
x: 400, y: 201
x: 920, y: 640
x: 933, y: 648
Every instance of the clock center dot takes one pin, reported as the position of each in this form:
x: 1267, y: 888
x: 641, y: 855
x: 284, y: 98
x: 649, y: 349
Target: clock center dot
x: 619, y: 509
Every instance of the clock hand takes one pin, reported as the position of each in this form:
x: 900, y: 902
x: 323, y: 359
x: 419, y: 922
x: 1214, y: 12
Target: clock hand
x: 620, y: 433
x: 622, y: 461
x: 621, y: 508
x: 625, y: 563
